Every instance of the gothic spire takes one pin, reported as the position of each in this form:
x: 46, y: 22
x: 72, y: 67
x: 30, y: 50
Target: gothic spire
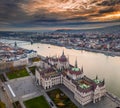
x: 63, y: 52
x: 15, y: 44
x: 76, y: 65
x: 104, y: 80
x: 96, y: 77
x: 82, y: 69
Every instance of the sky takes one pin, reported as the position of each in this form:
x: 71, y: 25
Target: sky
x: 58, y: 14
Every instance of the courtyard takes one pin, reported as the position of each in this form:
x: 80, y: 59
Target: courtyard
x: 60, y: 99
x: 38, y: 102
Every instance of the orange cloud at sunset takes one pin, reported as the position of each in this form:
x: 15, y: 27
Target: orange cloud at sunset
x: 91, y: 9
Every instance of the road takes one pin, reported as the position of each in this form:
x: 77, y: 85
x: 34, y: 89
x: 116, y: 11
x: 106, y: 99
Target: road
x: 4, y: 97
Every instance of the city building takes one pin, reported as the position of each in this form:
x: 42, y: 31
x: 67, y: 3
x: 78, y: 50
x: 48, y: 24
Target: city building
x: 85, y: 90
x: 14, y: 56
x: 31, y: 53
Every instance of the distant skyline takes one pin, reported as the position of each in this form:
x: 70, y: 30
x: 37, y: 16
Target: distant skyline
x: 21, y: 15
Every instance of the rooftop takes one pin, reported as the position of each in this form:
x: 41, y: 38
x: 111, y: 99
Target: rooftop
x: 75, y: 69
x: 50, y: 72
x: 84, y: 86
x: 97, y: 81
x: 83, y: 83
x: 10, y: 53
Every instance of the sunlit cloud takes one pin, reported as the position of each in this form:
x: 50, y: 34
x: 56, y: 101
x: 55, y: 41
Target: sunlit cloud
x: 74, y: 8
x: 113, y: 16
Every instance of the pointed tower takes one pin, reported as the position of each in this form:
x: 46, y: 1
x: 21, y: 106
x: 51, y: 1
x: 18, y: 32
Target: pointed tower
x: 96, y: 77
x: 63, y: 53
x: 75, y: 72
x: 82, y: 69
x: 15, y: 44
x: 76, y: 65
x: 104, y: 80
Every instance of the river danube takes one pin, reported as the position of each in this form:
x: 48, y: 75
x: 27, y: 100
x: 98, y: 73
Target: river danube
x: 106, y: 67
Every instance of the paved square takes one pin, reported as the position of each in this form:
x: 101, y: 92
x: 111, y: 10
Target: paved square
x: 23, y: 87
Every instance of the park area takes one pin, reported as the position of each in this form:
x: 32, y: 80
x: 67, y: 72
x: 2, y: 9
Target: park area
x: 38, y: 102
x: 60, y: 99
x: 17, y: 74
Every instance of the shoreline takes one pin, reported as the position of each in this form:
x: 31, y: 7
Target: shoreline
x: 107, y: 53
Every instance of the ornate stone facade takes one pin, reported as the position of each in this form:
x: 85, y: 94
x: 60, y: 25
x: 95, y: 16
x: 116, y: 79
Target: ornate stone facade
x: 85, y: 90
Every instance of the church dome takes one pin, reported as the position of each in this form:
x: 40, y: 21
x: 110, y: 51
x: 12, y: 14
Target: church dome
x: 63, y: 58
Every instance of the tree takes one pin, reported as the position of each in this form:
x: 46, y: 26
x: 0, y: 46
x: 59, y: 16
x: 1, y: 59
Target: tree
x: 2, y: 105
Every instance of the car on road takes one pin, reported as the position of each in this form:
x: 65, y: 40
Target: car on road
x: 51, y: 104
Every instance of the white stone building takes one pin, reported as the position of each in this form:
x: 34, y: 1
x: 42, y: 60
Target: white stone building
x: 48, y: 77
x: 85, y: 90
x: 20, y: 62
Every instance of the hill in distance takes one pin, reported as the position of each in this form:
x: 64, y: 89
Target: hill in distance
x: 110, y: 29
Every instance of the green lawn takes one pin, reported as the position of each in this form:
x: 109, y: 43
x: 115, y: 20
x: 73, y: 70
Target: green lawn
x: 32, y: 69
x: 38, y: 102
x: 17, y: 74
x: 60, y: 99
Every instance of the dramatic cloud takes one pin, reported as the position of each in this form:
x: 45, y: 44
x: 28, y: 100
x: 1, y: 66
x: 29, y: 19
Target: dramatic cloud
x: 41, y: 13
x: 109, y: 2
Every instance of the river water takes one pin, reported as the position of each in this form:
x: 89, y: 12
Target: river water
x: 105, y: 67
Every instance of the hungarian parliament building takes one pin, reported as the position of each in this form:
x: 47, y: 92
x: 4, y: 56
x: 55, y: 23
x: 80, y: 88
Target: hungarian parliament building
x: 57, y: 70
